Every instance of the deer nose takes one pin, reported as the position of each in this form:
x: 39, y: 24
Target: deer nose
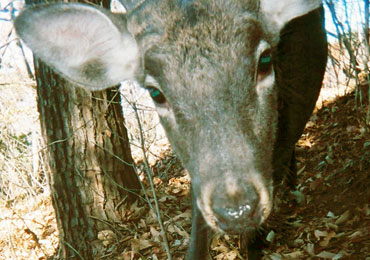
x: 237, y: 212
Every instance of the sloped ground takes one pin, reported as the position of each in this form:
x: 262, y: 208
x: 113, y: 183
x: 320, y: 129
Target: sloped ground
x: 334, y: 176
x: 331, y: 219
x: 337, y: 179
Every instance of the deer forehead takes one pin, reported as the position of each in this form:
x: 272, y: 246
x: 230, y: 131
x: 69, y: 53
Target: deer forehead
x: 211, y: 54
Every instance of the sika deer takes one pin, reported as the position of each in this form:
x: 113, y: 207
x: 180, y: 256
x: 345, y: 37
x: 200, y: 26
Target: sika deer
x: 234, y: 83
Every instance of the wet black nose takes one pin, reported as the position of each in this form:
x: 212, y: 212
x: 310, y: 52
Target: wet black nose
x: 237, y: 212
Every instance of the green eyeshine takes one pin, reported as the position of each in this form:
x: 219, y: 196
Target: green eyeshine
x: 265, y: 63
x: 156, y: 95
x: 265, y: 59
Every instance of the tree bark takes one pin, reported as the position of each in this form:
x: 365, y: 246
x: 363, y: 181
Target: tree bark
x: 90, y: 161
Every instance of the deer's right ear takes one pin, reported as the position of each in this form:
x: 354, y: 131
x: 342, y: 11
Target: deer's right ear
x: 87, y: 45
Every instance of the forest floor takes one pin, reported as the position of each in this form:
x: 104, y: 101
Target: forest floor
x: 330, y: 219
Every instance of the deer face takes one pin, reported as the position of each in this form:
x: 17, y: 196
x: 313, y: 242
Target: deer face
x: 208, y: 66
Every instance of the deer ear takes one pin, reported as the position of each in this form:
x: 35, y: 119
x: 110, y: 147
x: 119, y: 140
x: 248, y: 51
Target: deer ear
x: 281, y: 12
x: 87, y: 45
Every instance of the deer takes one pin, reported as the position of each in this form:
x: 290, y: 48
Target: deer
x: 234, y: 83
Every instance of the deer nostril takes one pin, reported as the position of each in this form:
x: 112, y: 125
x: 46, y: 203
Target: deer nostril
x: 237, y: 212
x: 232, y: 214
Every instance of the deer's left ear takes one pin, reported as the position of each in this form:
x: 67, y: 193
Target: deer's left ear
x: 280, y: 12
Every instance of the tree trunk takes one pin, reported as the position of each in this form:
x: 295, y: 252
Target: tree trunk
x: 90, y: 160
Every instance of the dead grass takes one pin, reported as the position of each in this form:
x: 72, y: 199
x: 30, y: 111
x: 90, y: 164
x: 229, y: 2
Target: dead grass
x: 27, y: 220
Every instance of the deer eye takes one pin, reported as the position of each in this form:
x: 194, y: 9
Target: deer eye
x: 156, y: 95
x: 265, y: 63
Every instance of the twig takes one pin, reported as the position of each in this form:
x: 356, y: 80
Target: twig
x: 74, y: 250
x: 150, y: 177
